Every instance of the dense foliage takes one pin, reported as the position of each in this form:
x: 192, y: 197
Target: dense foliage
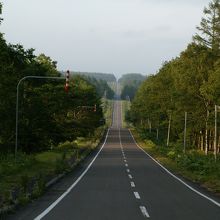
x: 47, y: 115
x: 102, y: 87
x: 189, y: 83
x: 130, y: 84
x: 108, y: 77
x: 101, y: 81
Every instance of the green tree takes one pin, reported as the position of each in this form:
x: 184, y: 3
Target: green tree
x: 210, y: 27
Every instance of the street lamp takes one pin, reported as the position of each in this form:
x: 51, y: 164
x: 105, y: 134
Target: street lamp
x: 17, y: 102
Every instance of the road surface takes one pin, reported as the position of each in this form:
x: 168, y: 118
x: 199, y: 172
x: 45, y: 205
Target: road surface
x: 121, y: 182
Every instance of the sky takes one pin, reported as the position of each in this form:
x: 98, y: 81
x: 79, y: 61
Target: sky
x: 110, y: 36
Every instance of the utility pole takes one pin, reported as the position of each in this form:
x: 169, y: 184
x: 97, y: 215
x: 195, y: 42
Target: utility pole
x: 157, y: 133
x: 217, y: 108
x: 169, y: 126
x: 184, y: 144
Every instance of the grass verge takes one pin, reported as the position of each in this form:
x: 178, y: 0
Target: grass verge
x: 125, y: 108
x: 108, y: 110
x: 194, y: 165
x: 25, y: 178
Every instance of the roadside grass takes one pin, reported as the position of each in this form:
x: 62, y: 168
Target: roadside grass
x: 108, y: 110
x: 125, y: 107
x: 41, y: 166
x: 193, y: 165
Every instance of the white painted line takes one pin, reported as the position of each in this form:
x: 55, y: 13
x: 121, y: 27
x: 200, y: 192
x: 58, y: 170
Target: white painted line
x: 125, y: 161
x: 132, y: 184
x: 177, y: 178
x: 45, y: 212
x: 128, y: 170
x: 130, y: 176
x: 126, y: 165
x: 144, y: 211
x: 137, y: 196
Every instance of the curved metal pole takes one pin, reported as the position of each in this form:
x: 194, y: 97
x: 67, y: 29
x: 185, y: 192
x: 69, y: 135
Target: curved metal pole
x: 17, y: 102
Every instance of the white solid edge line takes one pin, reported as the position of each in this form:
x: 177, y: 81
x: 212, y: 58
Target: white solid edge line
x: 45, y: 212
x: 137, y: 196
x: 144, y: 211
x: 177, y: 178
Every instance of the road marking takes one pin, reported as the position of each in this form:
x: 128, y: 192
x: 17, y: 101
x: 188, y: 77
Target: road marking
x: 130, y: 176
x: 144, y: 211
x: 132, y: 184
x: 125, y: 161
x: 126, y: 165
x: 128, y: 170
x: 45, y: 212
x: 137, y: 196
x: 177, y: 178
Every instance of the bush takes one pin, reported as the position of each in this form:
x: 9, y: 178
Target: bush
x: 67, y: 146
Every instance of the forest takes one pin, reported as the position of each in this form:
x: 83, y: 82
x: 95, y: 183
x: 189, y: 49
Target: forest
x: 108, y: 77
x: 130, y: 83
x: 181, y: 97
x: 47, y: 114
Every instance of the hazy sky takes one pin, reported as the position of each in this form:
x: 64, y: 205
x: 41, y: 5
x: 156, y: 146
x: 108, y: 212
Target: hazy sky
x: 115, y: 36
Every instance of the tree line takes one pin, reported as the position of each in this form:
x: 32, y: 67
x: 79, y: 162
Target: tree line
x: 108, y: 77
x: 130, y: 83
x: 47, y: 114
x: 189, y: 83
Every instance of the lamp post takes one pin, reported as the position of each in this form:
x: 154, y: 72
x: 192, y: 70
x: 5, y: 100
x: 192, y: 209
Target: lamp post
x: 17, y: 102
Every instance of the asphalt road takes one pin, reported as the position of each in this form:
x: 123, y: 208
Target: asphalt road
x: 122, y: 182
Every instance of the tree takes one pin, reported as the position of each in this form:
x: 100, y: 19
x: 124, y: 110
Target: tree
x: 210, y: 27
x: 130, y: 84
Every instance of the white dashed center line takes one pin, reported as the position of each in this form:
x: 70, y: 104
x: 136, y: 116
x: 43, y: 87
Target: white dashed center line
x: 126, y: 165
x: 144, y: 211
x: 128, y: 170
x: 130, y: 176
x: 132, y: 184
x: 137, y: 196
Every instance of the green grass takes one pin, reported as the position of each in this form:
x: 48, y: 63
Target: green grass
x: 107, y: 110
x: 16, y: 174
x: 193, y: 165
x: 125, y: 107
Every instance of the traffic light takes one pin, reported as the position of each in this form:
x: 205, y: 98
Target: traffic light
x: 66, y: 87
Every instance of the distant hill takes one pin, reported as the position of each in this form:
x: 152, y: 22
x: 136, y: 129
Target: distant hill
x: 130, y: 83
x: 108, y: 77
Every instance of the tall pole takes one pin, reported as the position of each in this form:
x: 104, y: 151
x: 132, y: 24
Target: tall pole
x: 168, y: 134
x: 184, y: 148
x: 17, y: 103
x: 157, y: 133
x: 215, y: 138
